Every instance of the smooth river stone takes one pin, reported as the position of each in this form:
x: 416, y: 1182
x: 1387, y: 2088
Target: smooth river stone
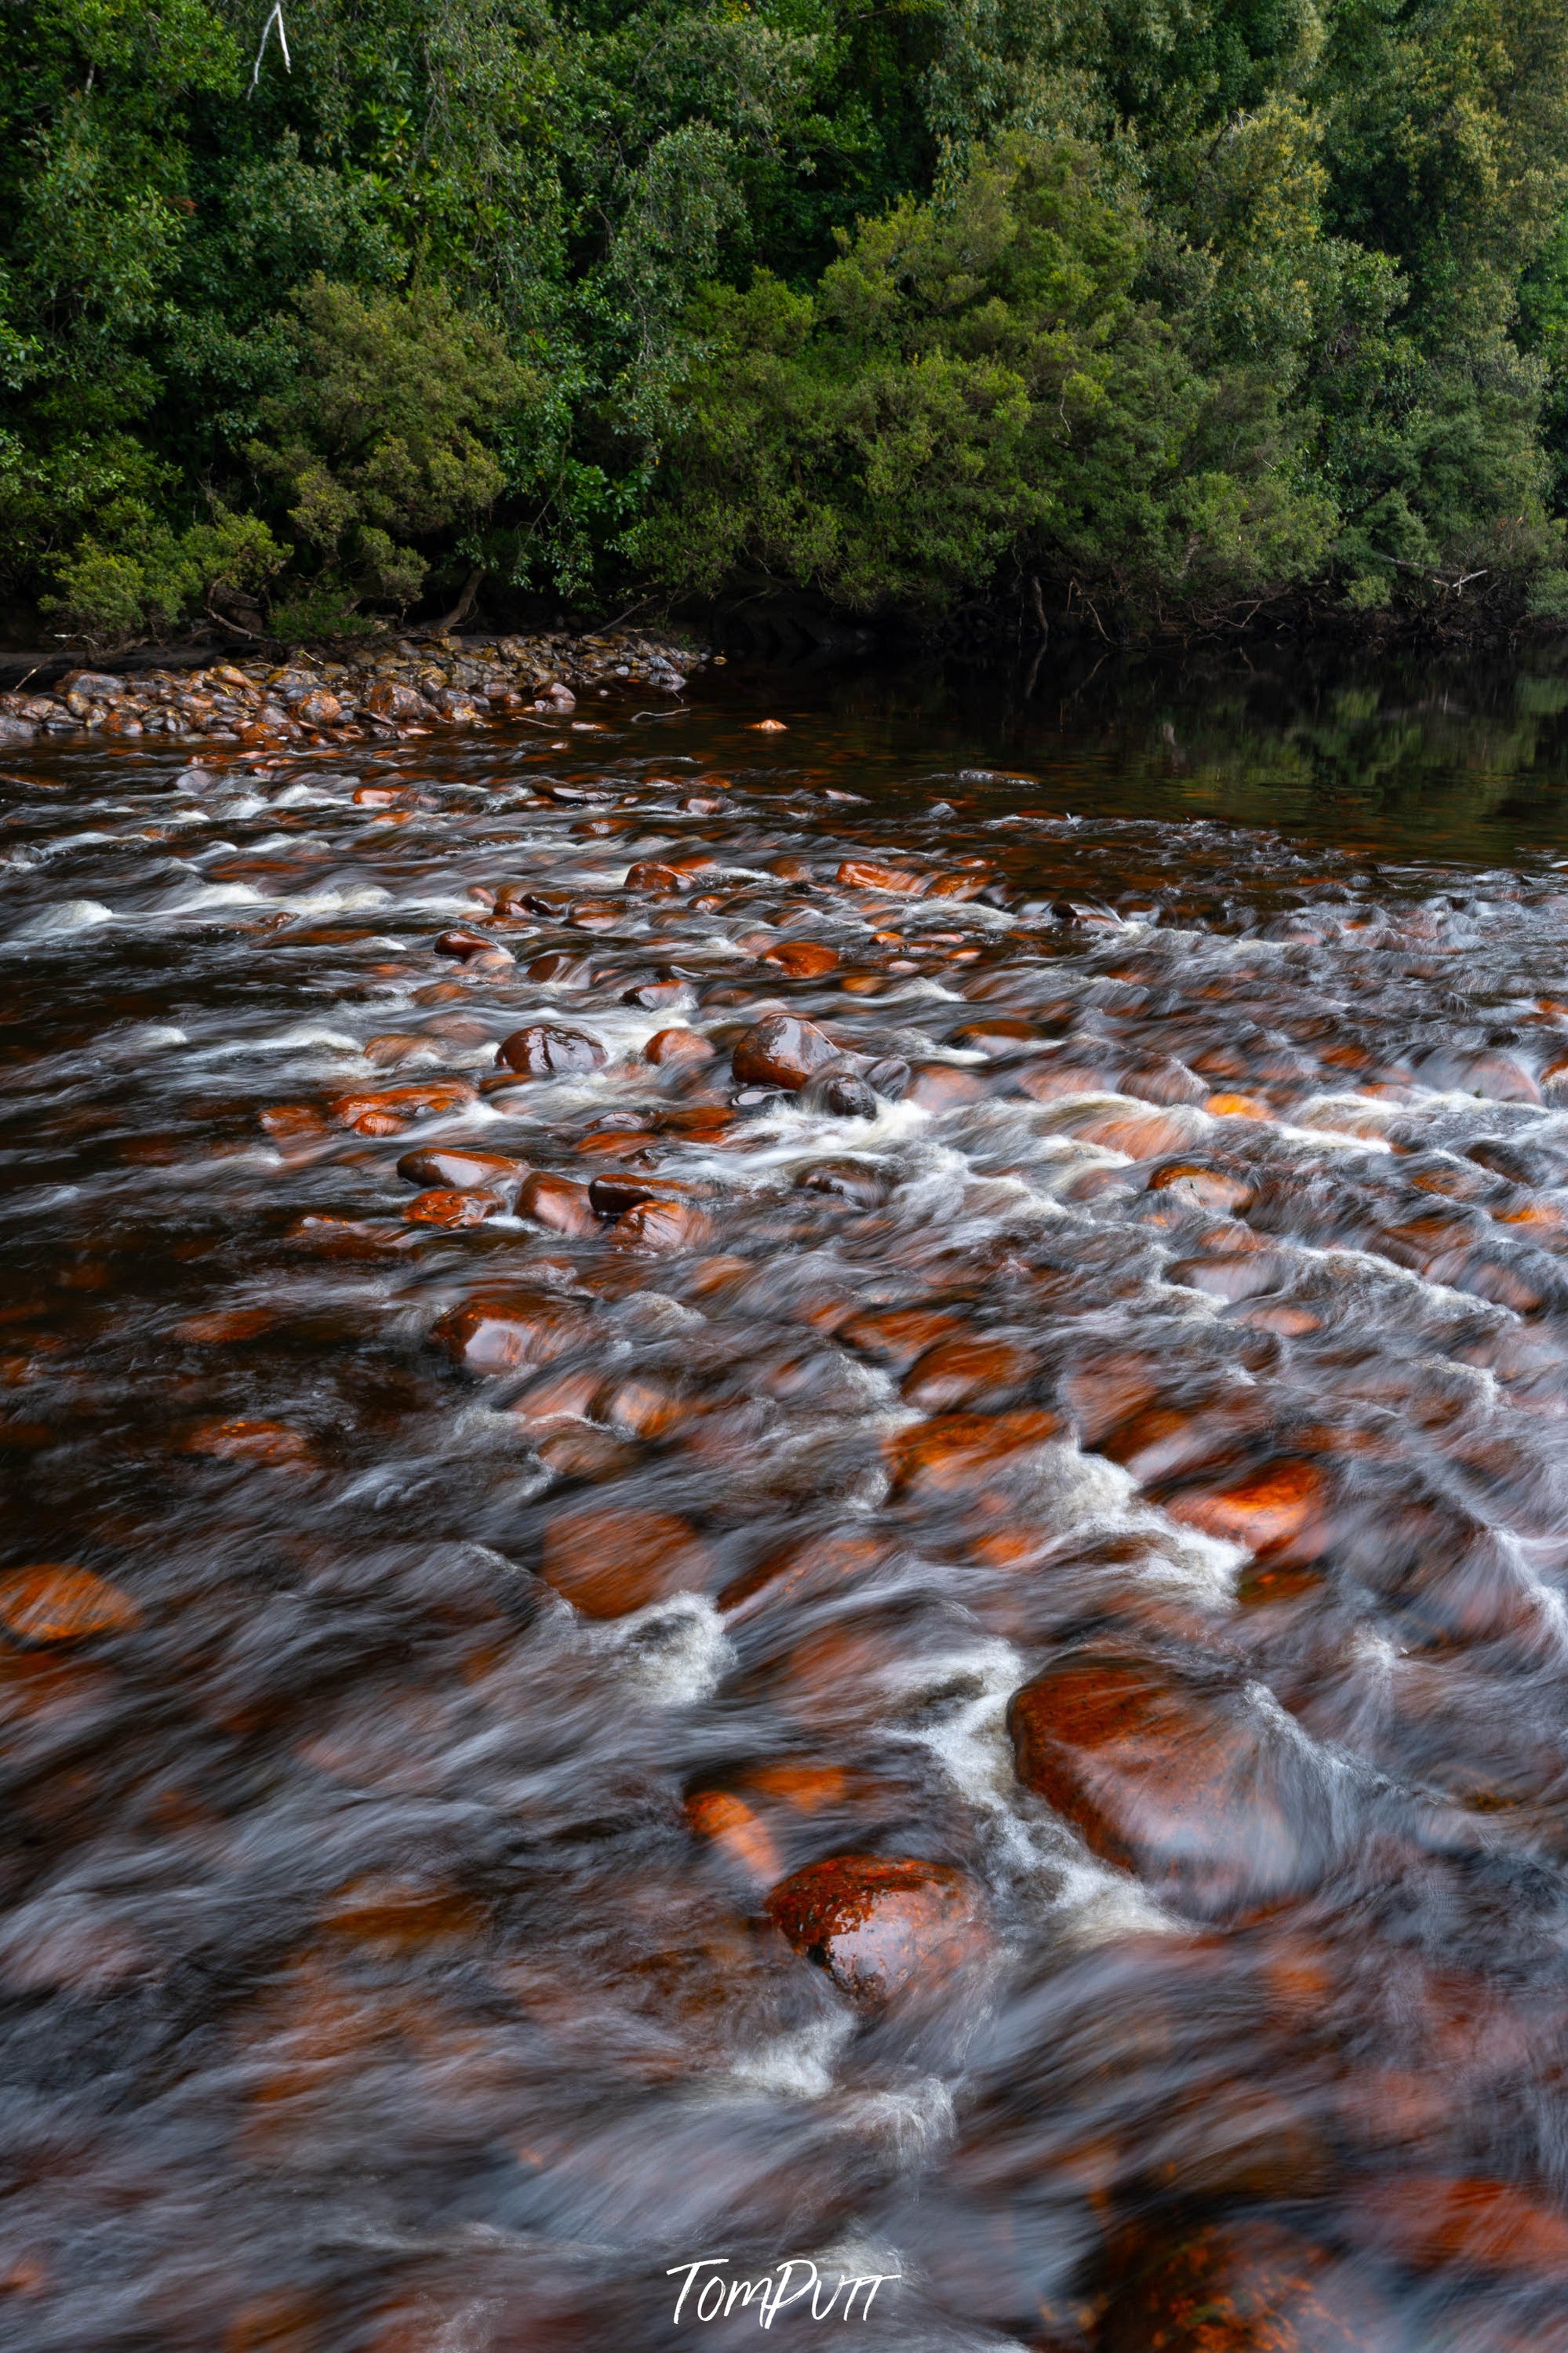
x: 1178, y: 1783
x: 782, y: 1052
x: 879, y: 1925
x: 607, y: 1562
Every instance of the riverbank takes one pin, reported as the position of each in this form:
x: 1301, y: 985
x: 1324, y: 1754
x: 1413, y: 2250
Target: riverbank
x: 395, y: 686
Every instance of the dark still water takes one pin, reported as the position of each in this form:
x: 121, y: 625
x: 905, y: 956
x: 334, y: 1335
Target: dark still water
x: 890, y: 1599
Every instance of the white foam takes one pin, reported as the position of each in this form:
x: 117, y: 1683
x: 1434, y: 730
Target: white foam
x: 303, y: 1035
x: 303, y: 796
x: 797, y: 2066
x: 346, y: 900
x: 208, y: 897
x: 69, y: 916
x: 676, y: 1651
x: 971, y: 1743
x: 918, y: 2118
x: 1086, y: 1901
x: 154, y: 1034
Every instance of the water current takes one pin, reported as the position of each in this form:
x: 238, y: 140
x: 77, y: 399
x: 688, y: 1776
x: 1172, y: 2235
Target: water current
x: 790, y: 1497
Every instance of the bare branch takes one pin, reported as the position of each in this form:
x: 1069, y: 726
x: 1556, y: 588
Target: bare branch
x: 275, y: 18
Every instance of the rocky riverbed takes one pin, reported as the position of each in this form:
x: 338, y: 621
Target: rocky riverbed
x: 379, y: 692
x: 774, y: 1504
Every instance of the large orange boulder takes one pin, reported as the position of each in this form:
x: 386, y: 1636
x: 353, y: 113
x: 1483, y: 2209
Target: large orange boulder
x: 1181, y: 1784
x: 878, y: 1926
x: 782, y: 1052
x: 607, y: 1561
x: 505, y: 1332
x: 51, y: 1603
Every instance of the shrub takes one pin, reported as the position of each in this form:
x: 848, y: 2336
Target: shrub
x: 377, y: 441
x: 148, y: 578
x: 973, y: 377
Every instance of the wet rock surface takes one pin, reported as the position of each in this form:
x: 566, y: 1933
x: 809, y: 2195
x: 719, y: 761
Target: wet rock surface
x: 388, y: 688
x: 1177, y: 1782
x: 1250, y: 2288
x: 766, y: 1497
x: 878, y: 1927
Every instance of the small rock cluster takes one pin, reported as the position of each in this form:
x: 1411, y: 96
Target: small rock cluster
x: 404, y: 688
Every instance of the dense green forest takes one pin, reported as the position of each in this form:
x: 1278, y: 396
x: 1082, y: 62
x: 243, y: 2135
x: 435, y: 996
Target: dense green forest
x: 1141, y: 311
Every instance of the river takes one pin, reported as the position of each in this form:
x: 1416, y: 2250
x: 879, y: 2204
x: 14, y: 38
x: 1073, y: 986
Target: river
x: 788, y: 1516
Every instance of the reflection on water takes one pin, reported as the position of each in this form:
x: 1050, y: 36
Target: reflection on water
x: 1471, y: 764
x: 792, y: 1496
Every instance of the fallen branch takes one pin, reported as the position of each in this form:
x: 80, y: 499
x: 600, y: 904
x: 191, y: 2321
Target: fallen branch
x: 461, y: 609
x: 225, y: 621
x: 641, y: 606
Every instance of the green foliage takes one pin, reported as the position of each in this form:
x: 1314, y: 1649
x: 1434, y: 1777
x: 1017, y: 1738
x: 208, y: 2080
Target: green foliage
x: 1167, y: 304
x: 975, y: 375
x: 375, y: 437
x: 1548, y: 595
x: 146, y: 579
x: 324, y: 609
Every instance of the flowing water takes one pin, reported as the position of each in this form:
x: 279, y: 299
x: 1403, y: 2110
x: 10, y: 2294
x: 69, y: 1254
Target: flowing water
x: 958, y: 1673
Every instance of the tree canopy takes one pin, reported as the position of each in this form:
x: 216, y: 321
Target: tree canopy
x: 1159, y: 307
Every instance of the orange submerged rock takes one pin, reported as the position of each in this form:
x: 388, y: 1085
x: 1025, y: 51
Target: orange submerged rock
x: 1426, y: 2220
x: 386, y: 1109
x: 878, y: 1926
x: 1279, y: 1505
x: 461, y: 1170
x: 662, y: 1227
x: 503, y: 1332
x: 558, y: 1202
x: 802, y: 959
x: 451, y: 1209
x: 1157, y: 1775
x: 952, y: 1453
x: 678, y: 1046
x: 607, y: 1562
x: 737, y: 1830
x: 965, y: 1371
x: 55, y: 1604
x: 244, y: 1440
x: 227, y: 1325
x: 1247, y: 2287
x: 1206, y: 1187
x: 865, y: 874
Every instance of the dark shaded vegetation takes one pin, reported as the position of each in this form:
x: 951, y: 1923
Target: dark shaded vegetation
x: 1149, y: 313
